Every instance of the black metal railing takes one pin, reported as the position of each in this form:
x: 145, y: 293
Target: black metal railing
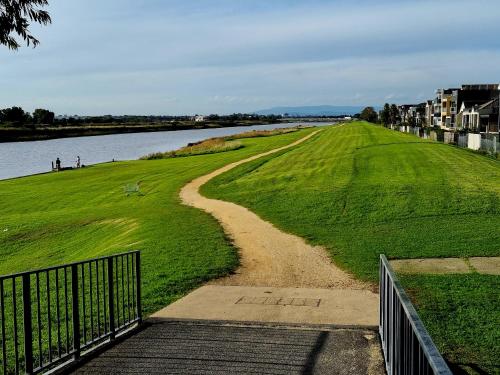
x: 51, y: 317
x: 406, y: 344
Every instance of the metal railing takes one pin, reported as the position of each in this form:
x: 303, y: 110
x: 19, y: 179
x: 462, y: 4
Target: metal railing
x: 51, y: 317
x: 406, y: 344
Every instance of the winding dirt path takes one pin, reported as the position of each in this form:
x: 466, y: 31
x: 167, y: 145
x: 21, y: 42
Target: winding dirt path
x: 268, y: 256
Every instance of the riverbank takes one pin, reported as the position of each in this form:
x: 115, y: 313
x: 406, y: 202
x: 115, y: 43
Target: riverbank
x: 28, y: 158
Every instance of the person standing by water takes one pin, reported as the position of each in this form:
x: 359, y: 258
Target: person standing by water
x: 58, y: 164
x: 78, y: 162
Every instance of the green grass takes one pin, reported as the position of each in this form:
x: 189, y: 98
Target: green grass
x: 462, y: 312
x: 58, y: 218
x: 362, y: 190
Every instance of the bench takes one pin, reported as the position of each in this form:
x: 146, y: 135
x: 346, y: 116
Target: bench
x: 133, y: 188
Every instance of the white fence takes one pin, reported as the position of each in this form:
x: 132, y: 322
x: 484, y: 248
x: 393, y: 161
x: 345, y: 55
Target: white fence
x: 474, y: 141
x: 489, y: 143
x: 462, y: 141
x: 449, y: 137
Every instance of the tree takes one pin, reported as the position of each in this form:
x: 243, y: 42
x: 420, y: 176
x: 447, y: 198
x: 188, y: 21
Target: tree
x: 368, y: 114
x: 394, y: 114
x: 43, y: 116
x: 386, y: 114
x: 410, y: 120
x: 15, y: 18
x: 14, y: 115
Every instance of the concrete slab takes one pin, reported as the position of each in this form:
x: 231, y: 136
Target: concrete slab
x: 170, y: 347
x: 486, y: 265
x: 280, y: 305
x: 431, y: 265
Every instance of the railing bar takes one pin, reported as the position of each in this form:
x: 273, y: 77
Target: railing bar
x: 128, y: 287
x: 386, y: 313
x: 39, y: 319
x: 133, y: 286
x: 49, y: 320
x: 10, y: 276
x: 111, y: 299
x: 123, y: 292
x: 84, y: 310
x: 75, y: 312
x: 405, y: 347
x: 138, y: 282
x: 400, y: 321
x: 409, y: 346
x: 27, y: 325
x: 2, y: 317
x: 414, y: 356
x: 91, y: 303
x: 117, y: 307
x: 58, y: 313
x: 98, y: 299
x: 66, y: 307
x: 419, y: 363
x: 14, y: 310
x: 104, y: 296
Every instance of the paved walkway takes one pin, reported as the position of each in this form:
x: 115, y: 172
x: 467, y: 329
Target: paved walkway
x: 217, y: 348
x: 483, y: 265
x: 285, y: 305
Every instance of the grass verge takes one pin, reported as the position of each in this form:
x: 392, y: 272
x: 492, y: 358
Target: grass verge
x: 463, y: 315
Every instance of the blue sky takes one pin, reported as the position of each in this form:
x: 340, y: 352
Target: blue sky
x: 224, y: 56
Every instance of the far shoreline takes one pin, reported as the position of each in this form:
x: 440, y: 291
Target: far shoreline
x: 8, y: 135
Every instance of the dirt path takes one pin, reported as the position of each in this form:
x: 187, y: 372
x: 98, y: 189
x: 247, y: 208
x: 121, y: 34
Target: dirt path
x: 269, y: 257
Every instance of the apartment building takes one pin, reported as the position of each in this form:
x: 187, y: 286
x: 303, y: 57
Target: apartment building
x: 479, y: 108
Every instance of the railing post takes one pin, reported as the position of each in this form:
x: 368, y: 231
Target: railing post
x: 111, y: 297
x: 75, y: 308
x: 27, y: 323
x: 138, y: 281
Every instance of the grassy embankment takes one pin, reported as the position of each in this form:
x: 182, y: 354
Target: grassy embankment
x: 62, y: 217
x: 361, y: 190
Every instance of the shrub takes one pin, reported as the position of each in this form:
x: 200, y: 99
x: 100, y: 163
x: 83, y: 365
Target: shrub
x: 210, y: 146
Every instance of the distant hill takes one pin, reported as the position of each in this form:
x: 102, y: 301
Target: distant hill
x: 317, y: 110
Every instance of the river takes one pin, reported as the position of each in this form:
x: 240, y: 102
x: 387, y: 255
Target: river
x: 26, y: 158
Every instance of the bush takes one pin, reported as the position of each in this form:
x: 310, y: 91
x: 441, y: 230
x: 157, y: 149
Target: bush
x: 210, y: 146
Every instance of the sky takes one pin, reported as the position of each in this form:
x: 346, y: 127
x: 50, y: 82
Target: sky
x: 169, y: 57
